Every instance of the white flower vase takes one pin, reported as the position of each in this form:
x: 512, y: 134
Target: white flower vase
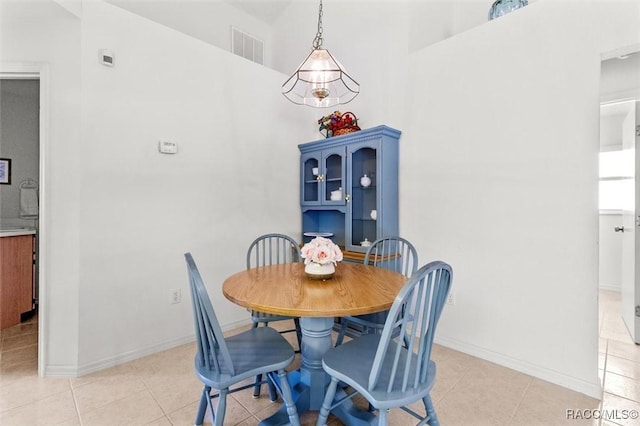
x: 319, y: 271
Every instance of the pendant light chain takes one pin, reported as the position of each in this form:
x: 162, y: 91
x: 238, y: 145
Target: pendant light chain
x: 317, y: 42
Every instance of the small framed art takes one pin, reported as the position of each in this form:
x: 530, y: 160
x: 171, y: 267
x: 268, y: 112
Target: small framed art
x: 5, y: 171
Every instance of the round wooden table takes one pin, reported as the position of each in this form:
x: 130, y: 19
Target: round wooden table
x: 284, y: 289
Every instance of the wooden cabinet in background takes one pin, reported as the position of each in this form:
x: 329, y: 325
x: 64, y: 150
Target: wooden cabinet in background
x: 16, y: 278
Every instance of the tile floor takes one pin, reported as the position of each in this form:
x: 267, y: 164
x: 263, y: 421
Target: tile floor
x: 161, y: 389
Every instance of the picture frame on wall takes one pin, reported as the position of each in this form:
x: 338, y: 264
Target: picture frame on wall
x: 5, y: 171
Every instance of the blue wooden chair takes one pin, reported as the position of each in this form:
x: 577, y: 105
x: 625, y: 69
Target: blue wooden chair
x: 394, y: 253
x: 224, y: 362
x: 384, y: 369
x: 272, y: 249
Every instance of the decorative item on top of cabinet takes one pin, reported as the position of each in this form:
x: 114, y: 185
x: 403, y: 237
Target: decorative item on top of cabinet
x: 338, y: 123
x: 502, y: 7
x: 334, y: 197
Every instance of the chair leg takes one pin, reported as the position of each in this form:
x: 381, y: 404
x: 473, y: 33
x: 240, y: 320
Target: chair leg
x: 256, y: 388
x: 383, y: 417
x: 257, y: 385
x: 273, y: 395
x: 296, y: 321
x: 343, y: 330
x: 202, y: 406
x: 328, y: 401
x: 431, y: 411
x: 287, y: 397
x: 222, y: 408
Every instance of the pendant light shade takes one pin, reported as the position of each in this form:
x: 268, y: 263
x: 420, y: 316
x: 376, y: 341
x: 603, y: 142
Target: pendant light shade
x: 320, y: 81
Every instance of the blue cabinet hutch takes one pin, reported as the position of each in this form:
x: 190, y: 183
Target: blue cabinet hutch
x: 337, y: 198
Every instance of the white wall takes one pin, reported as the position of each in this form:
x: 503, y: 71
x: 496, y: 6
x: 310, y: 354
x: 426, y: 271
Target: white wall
x: 499, y: 178
x: 234, y: 177
x: 43, y: 32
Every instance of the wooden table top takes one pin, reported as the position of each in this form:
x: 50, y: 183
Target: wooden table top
x: 284, y: 289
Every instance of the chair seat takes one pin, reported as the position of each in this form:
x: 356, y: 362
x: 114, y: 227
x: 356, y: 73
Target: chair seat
x: 352, y: 363
x: 274, y: 351
x: 257, y: 316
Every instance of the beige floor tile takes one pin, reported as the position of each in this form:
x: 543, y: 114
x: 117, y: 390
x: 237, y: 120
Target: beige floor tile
x: 451, y: 366
x: 623, y: 367
x: 186, y: 415
x: 622, y: 386
x: 135, y: 409
x: 486, y: 392
x: 23, y: 328
x: 52, y: 410
x: 19, y: 355
x: 162, y: 421
x: 254, y: 405
x: 619, y: 411
x: 175, y: 391
x: 234, y: 413
x: 628, y: 351
x: 19, y: 341
x: 547, y: 403
x: 104, y: 391
x: 18, y: 371
x: 31, y: 389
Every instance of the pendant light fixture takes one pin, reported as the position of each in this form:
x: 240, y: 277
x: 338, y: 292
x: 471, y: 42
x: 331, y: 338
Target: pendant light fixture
x: 320, y: 81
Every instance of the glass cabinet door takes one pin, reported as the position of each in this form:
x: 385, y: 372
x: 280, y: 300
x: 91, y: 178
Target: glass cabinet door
x: 333, y: 176
x: 311, y: 179
x: 364, y: 195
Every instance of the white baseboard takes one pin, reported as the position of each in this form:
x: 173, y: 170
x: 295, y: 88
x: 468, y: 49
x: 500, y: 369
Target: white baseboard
x: 593, y: 390
x: 610, y: 287
x: 92, y: 367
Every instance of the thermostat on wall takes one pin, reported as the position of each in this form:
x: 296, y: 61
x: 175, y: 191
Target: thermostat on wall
x: 166, y: 147
x: 106, y: 57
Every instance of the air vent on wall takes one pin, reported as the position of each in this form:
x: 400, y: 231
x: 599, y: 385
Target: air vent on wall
x: 247, y: 46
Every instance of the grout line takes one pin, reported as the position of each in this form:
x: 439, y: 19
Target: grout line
x: 524, y: 392
x: 75, y: 401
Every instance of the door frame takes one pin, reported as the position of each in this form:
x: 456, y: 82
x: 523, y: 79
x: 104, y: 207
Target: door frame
x: 38, y: 71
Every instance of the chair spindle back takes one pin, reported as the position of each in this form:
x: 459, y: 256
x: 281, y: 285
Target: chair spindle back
x: 212, y: 351
x: 273, y: 249
x: 393, y: 253
x: 416, y: 311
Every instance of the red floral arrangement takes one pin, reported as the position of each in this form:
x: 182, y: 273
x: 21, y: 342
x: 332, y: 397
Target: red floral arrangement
x: 338, y: 123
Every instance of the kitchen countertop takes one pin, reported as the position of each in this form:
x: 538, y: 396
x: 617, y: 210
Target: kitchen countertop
x: 16, y: 232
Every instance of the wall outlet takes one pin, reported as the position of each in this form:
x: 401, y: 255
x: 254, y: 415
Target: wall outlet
x: 175, y: 296
x: 451, y: 300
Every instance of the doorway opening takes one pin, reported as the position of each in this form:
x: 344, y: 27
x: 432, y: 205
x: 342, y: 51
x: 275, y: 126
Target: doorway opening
x: 40, y: 74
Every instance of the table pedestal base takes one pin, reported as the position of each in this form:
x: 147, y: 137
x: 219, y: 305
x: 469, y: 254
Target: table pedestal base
x: 309, y: 383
